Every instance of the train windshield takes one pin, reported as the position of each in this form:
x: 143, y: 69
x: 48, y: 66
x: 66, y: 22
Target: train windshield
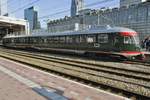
x: 137, y: 40
x: 131, y: 40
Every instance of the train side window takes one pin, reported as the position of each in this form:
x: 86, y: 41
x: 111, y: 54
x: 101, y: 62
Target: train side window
x: 49, y: 40
x: 42, y: 40
x: 91, y: 39
x: 26, y: 40
x: 39, y: 40
x: 12, y: 40
x: 35, y: 40
x: 103, y: 38
x: 77, y: 39
x: 30, y: 40
x: 128, y: 40
x: 82, y: 38
x: 55, y: 39
x: 20, y: 40
x: 62, y: 39
x: 116, y: 40
x: 45, y: 40
x: 69, y: 39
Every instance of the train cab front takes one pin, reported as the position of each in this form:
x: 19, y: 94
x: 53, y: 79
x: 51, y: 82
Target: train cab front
x: 131, y: 46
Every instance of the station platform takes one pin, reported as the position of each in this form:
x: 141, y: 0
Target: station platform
x: 21, y: 82
x: 11, y: 89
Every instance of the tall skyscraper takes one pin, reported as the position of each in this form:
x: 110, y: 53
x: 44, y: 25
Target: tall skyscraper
x: 76, y: 6
x: 130, y: 2
x: 3, y: 8
x: 31, y: 15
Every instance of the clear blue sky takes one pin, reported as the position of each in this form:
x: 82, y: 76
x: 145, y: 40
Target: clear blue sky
x: 46, y: 7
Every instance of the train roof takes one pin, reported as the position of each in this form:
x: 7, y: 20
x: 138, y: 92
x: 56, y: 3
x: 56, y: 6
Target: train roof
x: 92, y: 30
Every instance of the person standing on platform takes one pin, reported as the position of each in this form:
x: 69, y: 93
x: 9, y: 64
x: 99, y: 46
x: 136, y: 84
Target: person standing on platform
x: 147, y: 44
x: 144, y: 42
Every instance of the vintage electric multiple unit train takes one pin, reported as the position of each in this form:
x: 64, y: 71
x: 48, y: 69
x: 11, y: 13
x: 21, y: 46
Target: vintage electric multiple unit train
x: 117, y: 41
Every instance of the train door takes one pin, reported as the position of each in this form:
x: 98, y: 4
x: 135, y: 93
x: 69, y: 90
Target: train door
x: 114, y: 42
x: 91, y: 41
x: 103, y: 41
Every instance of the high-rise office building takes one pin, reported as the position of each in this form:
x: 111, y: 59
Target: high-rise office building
x: 31, y: 15
x: 3, y: 8
x: 76, y: 6
x: 130, y: 2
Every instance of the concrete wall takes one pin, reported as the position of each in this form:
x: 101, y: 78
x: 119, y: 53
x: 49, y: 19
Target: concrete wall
x: 136, y: 17
x: 130, y: 2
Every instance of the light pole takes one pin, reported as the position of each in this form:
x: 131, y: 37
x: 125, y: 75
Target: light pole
x: 98, y: 18
x: 110, y: 21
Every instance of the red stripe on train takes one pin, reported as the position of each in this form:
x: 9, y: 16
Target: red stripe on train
x: 128, y: 33
x: 132, y: 52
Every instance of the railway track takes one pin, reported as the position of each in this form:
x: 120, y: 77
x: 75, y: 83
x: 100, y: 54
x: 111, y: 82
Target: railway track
x: 138, y: 62
x: 130, y: 80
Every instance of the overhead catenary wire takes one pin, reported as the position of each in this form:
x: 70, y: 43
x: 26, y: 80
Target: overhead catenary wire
x: 59, y: 12
x: 20, y: 8
x: 67, y: 10
x: 46, y: 16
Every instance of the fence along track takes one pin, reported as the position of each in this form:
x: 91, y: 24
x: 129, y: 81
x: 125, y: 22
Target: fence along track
x: 86, y: 74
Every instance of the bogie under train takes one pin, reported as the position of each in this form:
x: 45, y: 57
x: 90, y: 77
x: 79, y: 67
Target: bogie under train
x: 115, y: 41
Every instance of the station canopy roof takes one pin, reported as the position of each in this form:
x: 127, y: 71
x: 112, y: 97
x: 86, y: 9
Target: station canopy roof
x: 12, y: 23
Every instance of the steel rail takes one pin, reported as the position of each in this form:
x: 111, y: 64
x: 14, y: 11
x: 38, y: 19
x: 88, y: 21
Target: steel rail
x: 45, y: 63
x: 107, y: 69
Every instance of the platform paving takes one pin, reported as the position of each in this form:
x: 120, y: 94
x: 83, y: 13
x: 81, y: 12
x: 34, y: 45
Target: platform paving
x: 51, y: 85
x: 11, y: 89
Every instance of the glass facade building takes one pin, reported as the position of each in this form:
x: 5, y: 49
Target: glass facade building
x: 31, y: 15
x: 76, y: 6
x: 3, y: 8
